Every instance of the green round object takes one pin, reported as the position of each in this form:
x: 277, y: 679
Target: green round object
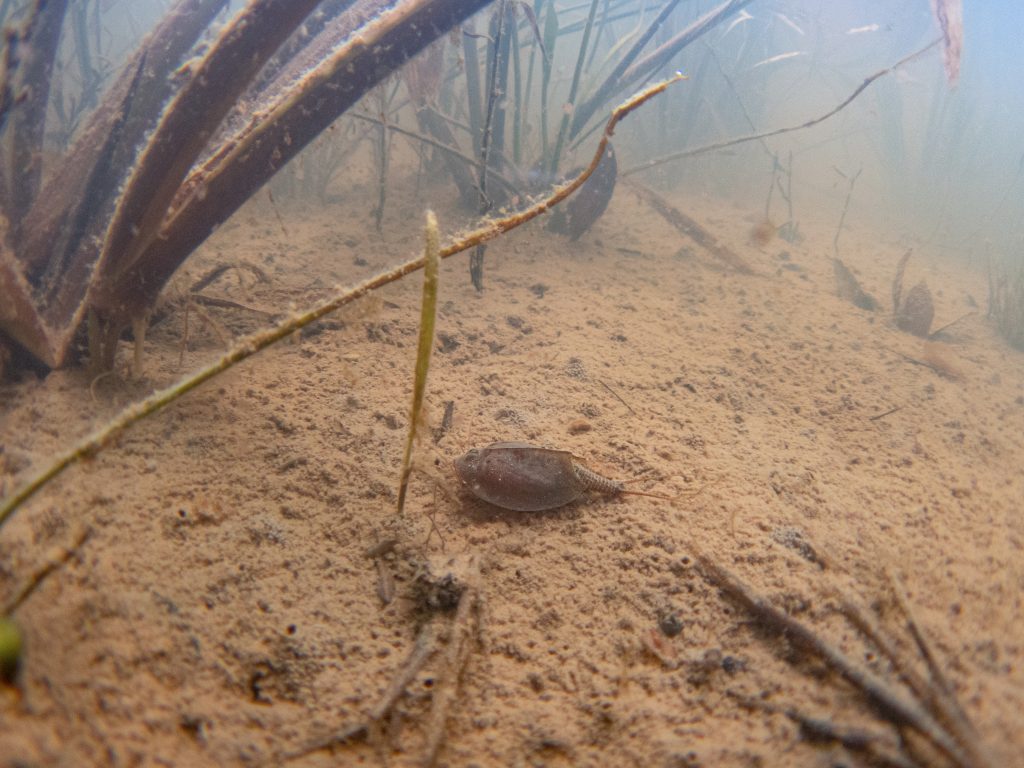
x: 10, y: 648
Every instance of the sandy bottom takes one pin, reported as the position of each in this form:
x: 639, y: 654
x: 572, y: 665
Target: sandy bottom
x: 225, y: 611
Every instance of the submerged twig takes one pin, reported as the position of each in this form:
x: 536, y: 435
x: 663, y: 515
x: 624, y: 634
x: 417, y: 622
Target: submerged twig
x: 882, y: 415
x: 816, y: 729
x: 55, y: 562
x: 950, y: 324
x: 455, y: 658
x: 424, y: 648
x: 891, y: 704
x: 617, y: 396
x: 689, y: 227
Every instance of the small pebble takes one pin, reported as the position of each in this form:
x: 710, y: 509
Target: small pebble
x: 579, y: 426
x: 670, y: 624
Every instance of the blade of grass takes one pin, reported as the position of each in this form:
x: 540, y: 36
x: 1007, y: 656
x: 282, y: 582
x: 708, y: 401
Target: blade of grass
x: 428, y: 316
x: 563, y: 128
x: 550, y: 39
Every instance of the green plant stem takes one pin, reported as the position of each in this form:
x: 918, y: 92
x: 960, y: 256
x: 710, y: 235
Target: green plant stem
x: 563, y: 128
x: 547, y: 63
x: 428, y: 316
x: 250, y: 345
x: 534, y: 45
x: 474, y: 99
x: 517, y: 114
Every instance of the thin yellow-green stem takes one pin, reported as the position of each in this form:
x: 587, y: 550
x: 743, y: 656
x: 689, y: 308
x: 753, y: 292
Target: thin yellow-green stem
x: 428, y: 314
x: 250, y: 345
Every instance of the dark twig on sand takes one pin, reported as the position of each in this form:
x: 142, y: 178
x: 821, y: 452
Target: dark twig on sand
x: 617, y: 396
x: 890, y: 703
x: 422, y: 651
x: 882, y: 415
x: 815, y: 729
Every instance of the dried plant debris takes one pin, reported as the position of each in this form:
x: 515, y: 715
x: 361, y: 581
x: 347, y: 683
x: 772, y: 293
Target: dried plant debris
x: 457, y: 579
x: 915, y: 311
x: 848, y: 288
x: 690, y: 228
x: 924, y: 705
x: 949, y: 14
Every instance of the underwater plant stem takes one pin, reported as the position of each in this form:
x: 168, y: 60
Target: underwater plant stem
x: 647, y: 165
x: 428, y: 316
x: 34, y: 51
x: 846, y: 206
x: 473, y: 96
x: 604, y: 91
x: 497, y: 82
x: 517, y: 114
x: 250, y: 345
x: 383, y: 157
x: 534, y: 45
x: 550, y: 39
x: 563, y: 128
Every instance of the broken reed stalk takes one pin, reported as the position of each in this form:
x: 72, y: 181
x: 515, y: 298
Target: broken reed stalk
x: 250, y: 345
x: 428, y: 316
x: 474, y: 98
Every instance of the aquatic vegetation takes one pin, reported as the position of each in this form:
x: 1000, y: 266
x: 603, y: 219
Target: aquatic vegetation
x: 100, y: 238
x: 848, y: 287
x: 249, y: 346
x: 914, y: 311
x: 1006, y: 300
x: 428, y: 315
